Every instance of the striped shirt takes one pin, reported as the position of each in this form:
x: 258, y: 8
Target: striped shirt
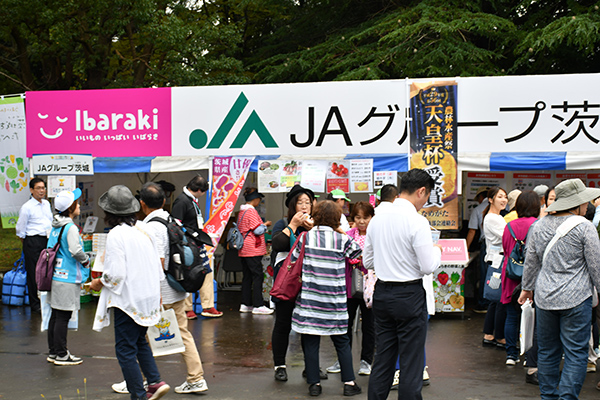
x: 321, y: 304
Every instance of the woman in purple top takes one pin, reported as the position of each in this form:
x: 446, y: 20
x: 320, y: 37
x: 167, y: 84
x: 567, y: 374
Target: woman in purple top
x: 528, y: 210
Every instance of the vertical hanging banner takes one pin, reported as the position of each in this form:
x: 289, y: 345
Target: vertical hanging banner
x: 433, y: 146
x: 229, y: 175
x: 14, y: 166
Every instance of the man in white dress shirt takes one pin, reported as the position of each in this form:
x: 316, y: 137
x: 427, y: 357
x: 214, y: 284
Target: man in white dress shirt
x: 33, y: 226
x: 400, y: 249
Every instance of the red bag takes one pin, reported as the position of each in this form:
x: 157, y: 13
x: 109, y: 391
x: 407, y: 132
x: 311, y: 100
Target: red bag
x: 289, y: 279
x: 44, y: 268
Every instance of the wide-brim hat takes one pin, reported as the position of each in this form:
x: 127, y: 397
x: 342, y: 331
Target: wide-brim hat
x: 296, y: 190
x: 65, y: 198
x: 254, y: 195
x: 572, y: 193
x: 118, y: 200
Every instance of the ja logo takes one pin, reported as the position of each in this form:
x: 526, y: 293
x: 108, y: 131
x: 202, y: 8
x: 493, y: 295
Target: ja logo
x: 199, y: 138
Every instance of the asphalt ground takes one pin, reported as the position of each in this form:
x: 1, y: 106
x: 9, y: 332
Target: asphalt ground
x: 237, y: 359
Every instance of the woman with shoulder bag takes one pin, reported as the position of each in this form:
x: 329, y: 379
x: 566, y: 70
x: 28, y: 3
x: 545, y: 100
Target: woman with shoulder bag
x: 323, y: 289
x: 253, y: 231
x: 299, y: 202
x: 528, y: 209
x: 493, y: 228
x: 71, y: 269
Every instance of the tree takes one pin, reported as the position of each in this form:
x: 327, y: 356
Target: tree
x: 114, y: 43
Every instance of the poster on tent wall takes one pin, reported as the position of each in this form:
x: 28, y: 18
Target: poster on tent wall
x: 313, y: 175
x: 14, y: 166
x: 561, y: 176
x: 383, y: 178
x: 361, y: 175
x: 593, y: 180
x: 337, y: 177
x: 229, y: 175
x: 477, y: 180
x: 433, y: 147
x: 525, y: 182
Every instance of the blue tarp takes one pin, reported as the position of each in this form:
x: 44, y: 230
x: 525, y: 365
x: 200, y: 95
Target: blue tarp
x: 528, y: 161
x: 120, y: 165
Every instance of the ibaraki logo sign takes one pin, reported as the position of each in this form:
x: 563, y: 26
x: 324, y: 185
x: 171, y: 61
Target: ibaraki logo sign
x: 104, y: 123
x: 199, y: 138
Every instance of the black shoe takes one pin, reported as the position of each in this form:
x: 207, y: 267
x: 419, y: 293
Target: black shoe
x: 501, y: 346
x: 315, y: 389
x: 489, y: 343
x: 532, y: 378
x: 322, y: 374
x: 281, y: 374
x: 351, y: 390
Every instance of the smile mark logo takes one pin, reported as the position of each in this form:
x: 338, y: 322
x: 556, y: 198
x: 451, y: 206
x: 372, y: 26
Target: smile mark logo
x: 58, y: 132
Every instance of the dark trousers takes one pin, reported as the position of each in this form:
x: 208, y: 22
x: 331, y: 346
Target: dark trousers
x: 252, y: 281
x: 132, y: 348
x: 368, y: 328
x: 482, y: 302
x: 280, y: 338
x: 495, y: 318
x: 310, y: 347
x: 57, y: 332
x: 32, y: 247
x: 400, y: 331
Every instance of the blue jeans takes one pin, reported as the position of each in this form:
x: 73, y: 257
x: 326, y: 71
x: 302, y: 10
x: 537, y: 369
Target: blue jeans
x: 131, y: 347
x: 511, y: 331
x: 561, y: 331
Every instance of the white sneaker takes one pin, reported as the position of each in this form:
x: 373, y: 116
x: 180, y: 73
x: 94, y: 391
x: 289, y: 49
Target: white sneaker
x: 512, y: 361
x: 246, y: 309
x: 365, y: 368
x: 334, y: 369
x: 396, y: 380
x: 425, y: 377
x: 69, y: 359
x: 121, y: 387
x: 195, y: 387
x: 262, y: 310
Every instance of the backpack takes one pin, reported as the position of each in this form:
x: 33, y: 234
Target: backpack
x: 44, y: 268
x: 516, y: 259
x: 234, y: 236
x: 188, y: 262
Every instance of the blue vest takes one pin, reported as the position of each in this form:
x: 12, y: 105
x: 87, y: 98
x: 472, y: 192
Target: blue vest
x: 67, y: 269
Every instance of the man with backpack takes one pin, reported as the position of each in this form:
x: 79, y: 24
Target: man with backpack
x: 152, y: 199
x: 187, y: 210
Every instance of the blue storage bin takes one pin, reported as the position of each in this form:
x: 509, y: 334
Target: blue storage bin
x: 197, y: 304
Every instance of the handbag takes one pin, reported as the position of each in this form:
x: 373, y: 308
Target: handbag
x: 516, y: 259
x: 492, y: 290
x: 288, y: 283
x: 44, y: 268
x: 369, y: 287
x: 357, y: 290
x: 46, y: 311
x: 527, y: 326
x: 165, y: 337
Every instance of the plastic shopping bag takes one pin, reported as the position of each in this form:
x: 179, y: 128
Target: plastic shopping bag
x: 527, y: 326
x: 164, y: 337
x: 47, y: 313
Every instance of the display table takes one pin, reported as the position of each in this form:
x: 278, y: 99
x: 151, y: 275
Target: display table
x: 449, y: 278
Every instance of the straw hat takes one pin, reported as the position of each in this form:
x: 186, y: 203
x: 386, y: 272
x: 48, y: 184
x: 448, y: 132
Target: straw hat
x: 572, y: 193
x: 512, y: 198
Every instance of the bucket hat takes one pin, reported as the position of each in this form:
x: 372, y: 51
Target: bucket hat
x: 512, y: 198
x: 118, y: 200
x: 296, y: 190
x: 572, y: 193
x: 541, y: 190
x: 483, y: 189
x: 65, y: 198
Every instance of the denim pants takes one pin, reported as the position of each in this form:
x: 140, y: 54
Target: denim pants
x: 563, y: 331
x: 131, y: 347
x: 511, y: 331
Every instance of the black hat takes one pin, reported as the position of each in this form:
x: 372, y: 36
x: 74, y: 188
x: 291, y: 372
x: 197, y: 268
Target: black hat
x: 253, y: 195
x: 296, y: 190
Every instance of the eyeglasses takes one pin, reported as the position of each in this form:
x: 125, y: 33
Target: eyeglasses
x: 40, y: 188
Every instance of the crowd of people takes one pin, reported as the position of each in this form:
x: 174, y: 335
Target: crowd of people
x: 390, y: 246
x: 560, y: 274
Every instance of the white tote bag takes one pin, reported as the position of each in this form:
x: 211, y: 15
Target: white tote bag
x: 527, y: 326
x: 164, y: 337
x: 47, y: 313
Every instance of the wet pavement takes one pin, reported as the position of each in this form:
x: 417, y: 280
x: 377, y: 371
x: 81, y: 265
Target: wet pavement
x: 236, y: 356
